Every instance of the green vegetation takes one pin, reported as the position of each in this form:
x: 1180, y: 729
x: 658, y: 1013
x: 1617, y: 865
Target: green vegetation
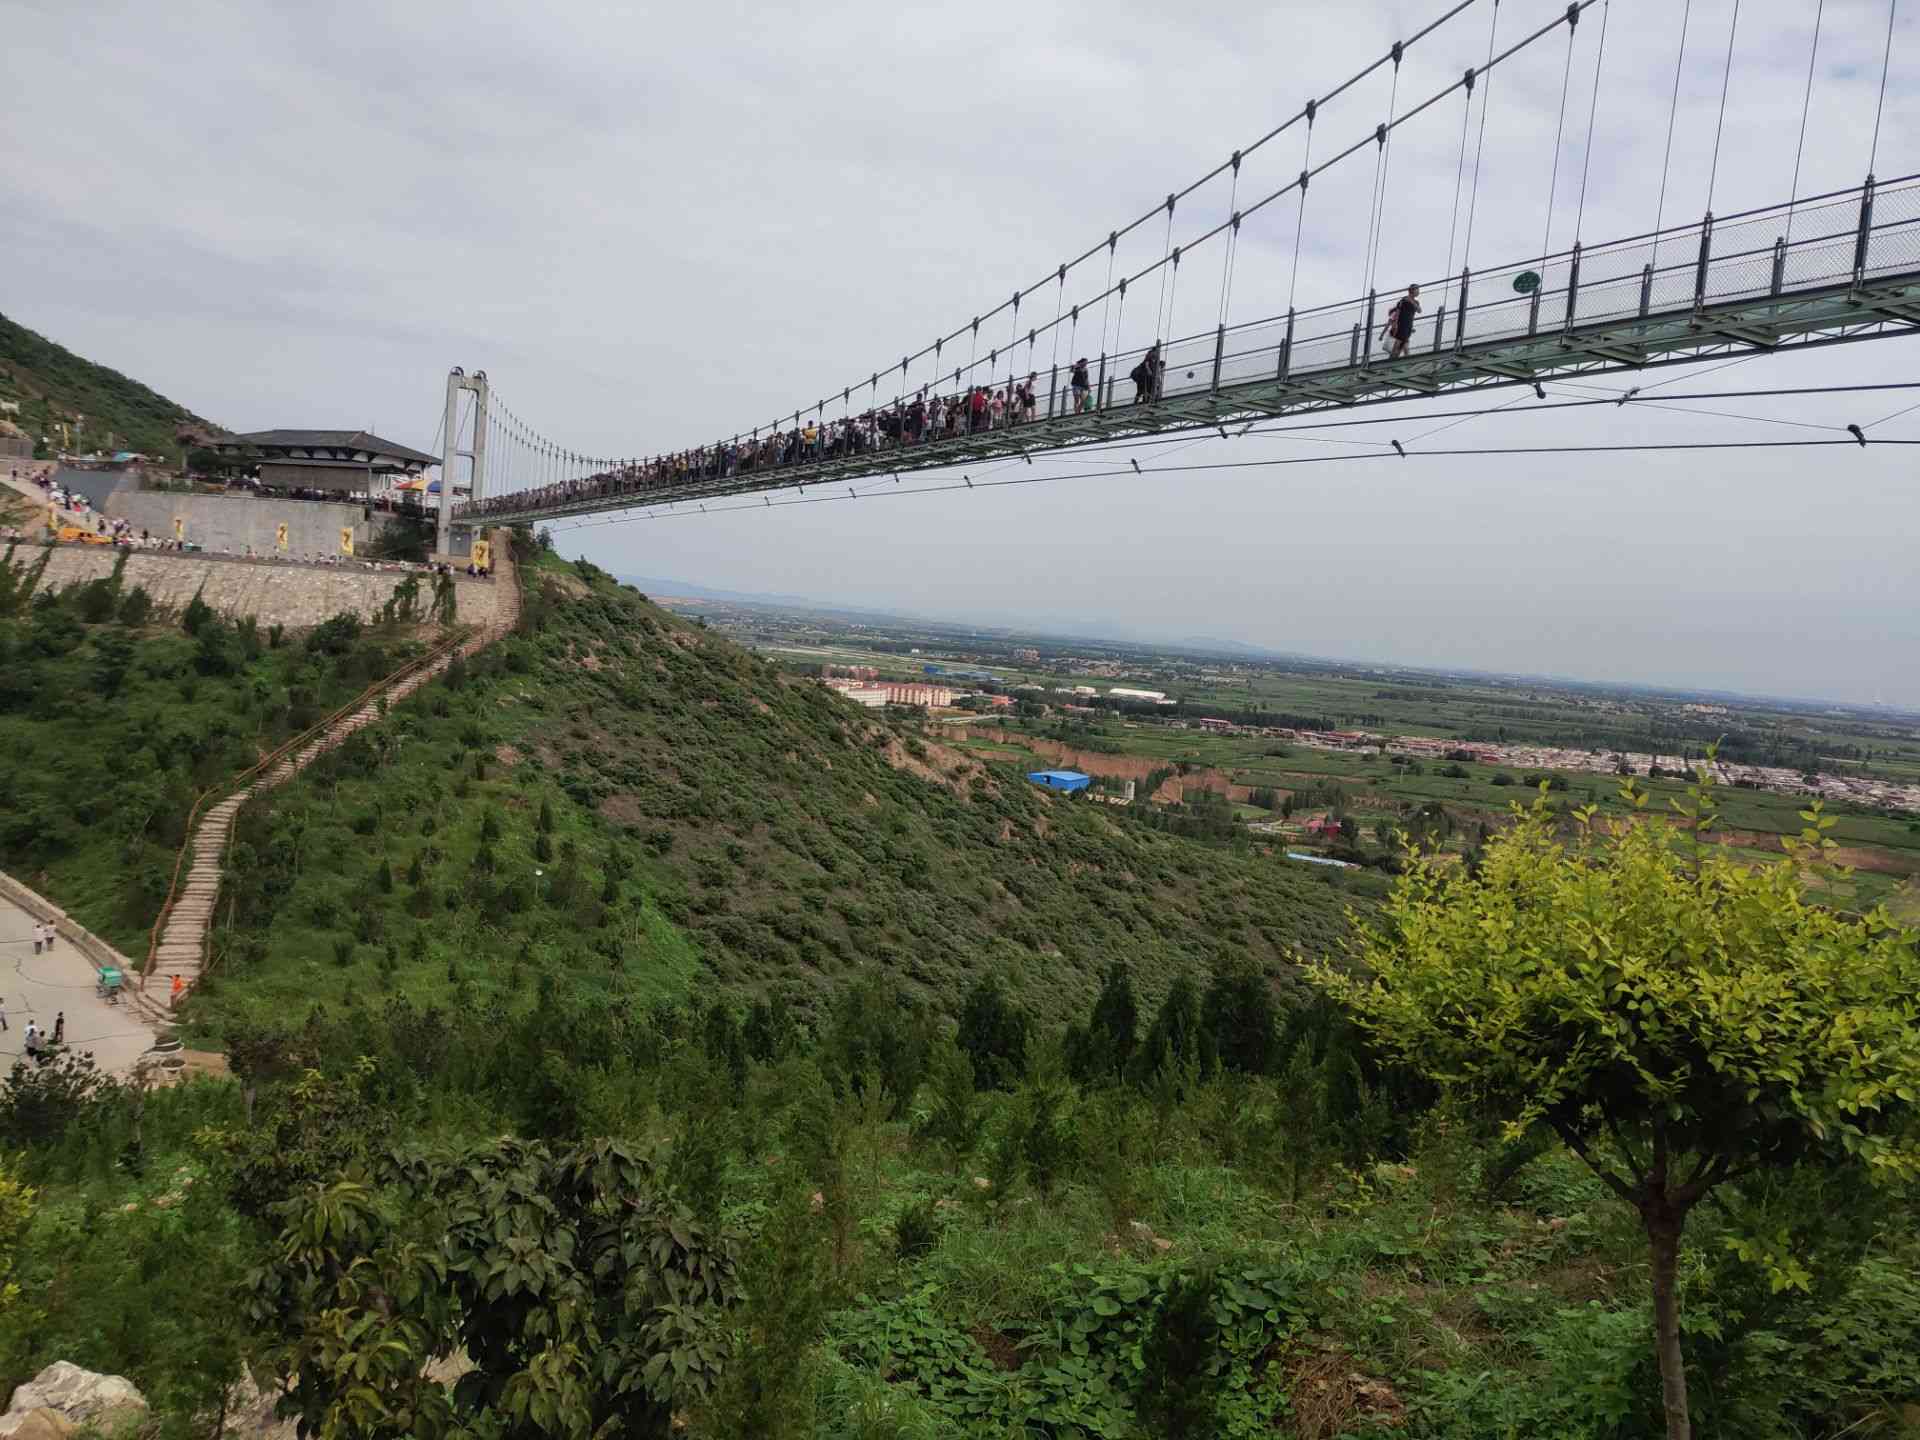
x: 1679, y: 1021
x: 53, y: 384
x: 614, y: 803
x: 698, y: 1055
x: 113, y: 718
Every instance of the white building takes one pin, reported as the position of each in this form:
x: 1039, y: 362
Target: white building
x: 1121, y: 693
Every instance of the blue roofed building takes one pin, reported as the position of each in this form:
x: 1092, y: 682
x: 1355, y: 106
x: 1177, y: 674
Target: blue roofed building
x: 1067, y: 780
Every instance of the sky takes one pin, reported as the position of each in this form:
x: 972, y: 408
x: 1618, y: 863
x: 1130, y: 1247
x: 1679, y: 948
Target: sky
x: 657, y: 225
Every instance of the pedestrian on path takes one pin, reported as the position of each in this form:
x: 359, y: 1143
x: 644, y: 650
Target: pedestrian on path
x: 51, y: 932
x: 33, y: 1042
x: 179, y: 989
x: 3, y: 1013
x: 39, y: 936
x: 1400, y: 322
x: 60, y: 1027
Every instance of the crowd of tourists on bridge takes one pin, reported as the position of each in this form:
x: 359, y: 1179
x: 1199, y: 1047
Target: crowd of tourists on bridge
x: 923, y: 420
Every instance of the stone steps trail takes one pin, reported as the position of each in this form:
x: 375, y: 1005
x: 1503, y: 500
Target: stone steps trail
x: 182, y: 946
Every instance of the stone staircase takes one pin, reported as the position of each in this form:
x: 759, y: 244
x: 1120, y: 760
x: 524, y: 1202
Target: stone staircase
x: 180, y: 947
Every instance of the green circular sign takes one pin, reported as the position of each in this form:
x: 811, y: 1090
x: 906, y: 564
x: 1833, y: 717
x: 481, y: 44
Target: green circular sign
x: 1526, y: 282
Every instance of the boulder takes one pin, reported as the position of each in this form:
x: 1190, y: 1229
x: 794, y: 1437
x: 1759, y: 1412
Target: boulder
x: 41, y: 1424
x: 80, y: 1397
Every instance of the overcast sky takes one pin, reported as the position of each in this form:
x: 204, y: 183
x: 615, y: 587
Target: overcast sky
x: 656, y: 224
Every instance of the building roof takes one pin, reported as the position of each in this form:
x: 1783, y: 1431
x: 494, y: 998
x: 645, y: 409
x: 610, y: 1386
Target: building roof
x: 1064, y: 776
x: 350, y: 446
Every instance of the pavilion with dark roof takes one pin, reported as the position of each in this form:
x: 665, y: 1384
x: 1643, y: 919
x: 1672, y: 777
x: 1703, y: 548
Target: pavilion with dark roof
x: 321, y: 459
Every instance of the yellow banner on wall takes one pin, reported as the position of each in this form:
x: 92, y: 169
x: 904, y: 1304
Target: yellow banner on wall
x: 346, y: 539
x: 179, y: 527
x: 280, y: 536
x: 482, y: 554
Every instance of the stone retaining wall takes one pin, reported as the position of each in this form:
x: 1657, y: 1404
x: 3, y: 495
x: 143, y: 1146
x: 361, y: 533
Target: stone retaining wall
x: 273, y: 592
x: 240, y: 522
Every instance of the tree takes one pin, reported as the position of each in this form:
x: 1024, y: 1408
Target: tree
x: 1680, y: 1020
x: 1239, y: 1022
x: 1105, y: 1047
x: 993, y: 1033
x: 588, y: 1303
x: 1179, y: 1386
x: 1174, y: 1036
x: 954, y: 1110
x: 766, y: 1390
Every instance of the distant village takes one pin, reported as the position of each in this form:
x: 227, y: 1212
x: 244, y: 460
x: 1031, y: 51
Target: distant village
x: 944, y: 688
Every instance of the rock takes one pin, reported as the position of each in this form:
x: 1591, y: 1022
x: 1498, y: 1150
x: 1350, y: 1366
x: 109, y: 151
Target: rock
x: 251, y: 1412
x: 41, y: 1424
x: 84, y: 1397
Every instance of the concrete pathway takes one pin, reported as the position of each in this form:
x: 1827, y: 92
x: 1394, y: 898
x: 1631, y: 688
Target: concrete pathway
x: 39, y: 987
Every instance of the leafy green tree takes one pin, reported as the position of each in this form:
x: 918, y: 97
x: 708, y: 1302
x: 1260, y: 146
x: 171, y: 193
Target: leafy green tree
x: 878, y: 1032
x: 1299, y: 1118
x: 590, y: 1306
x: 197, y: 616
x: 352, y: 1310
x: 1174, y: 1036
x: 955, y: 1113
x: 1239, y: 1021
x: 993, y: 1033
x: 1116, y: 1018
x: 1179, y: 1360
x: 766, y: 1390
x: 40, y: 1103
x: 1681, y: 1020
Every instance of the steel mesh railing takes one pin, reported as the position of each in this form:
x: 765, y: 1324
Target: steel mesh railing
x: 1808, y: 245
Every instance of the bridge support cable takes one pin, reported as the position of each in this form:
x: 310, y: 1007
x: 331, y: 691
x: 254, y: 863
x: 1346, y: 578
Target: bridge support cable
x: 1113, y: 296
x: 1673, y: 109
x: 1593, y: 111
x: 1300, y: 213
x: 1719, y: 125
x: 1559, y: 135
x: 1382, y: 158
x: 1885, y: 300
x: 1880, y: 107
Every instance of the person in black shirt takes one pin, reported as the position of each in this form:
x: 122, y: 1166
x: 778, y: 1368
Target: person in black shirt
x: 1400, y: 322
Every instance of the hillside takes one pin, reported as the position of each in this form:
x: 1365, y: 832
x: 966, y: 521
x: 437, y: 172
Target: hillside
x: 53, y: 384
x: 590, y: 1015
x: 711, y: 823
x: 114, y: 715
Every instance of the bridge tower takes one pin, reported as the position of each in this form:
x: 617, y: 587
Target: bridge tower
x: 458, y: 381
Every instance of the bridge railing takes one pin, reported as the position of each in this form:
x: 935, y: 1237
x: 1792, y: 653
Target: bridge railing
x: 1820, y: 242
x: 1808, y: 245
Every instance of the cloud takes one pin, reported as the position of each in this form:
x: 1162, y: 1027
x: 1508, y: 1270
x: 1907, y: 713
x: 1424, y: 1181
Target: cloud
x: 657, y: 225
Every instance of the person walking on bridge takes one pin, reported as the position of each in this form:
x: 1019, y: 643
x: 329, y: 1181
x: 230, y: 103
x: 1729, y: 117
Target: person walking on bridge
x: 1082, y: 386
x: 1400, y: 320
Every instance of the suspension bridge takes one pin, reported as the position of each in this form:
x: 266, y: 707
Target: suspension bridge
x: 1838, y: 266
